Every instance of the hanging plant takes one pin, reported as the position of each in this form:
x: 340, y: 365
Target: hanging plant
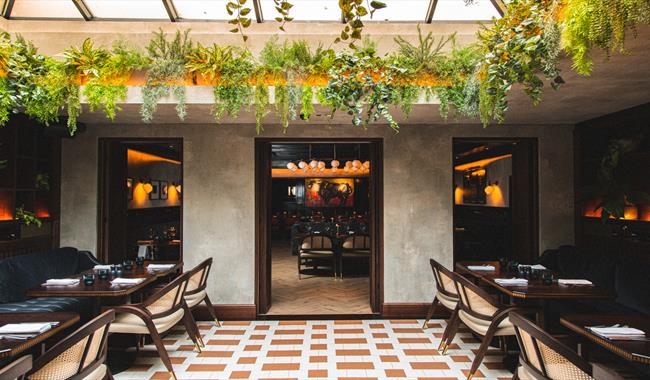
x: 600, y: 23
x: 361, y: 80
x: 461, y: 97
x: 517, y: 48
x: 166, y: 73
x: 239, y: 10
x: 232, y: 69
x: 261, y: 106
x: 109, y: 86
x: 353, y: 11
x: 27, y: 217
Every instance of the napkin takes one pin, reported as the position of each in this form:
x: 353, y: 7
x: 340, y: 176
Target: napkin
x: 98, y: 267
x: 160, y: 266
x: 574, y: 282
x: 26, y: 328
x: 616, y: 332
x: 535, y: 266
x: 481, y: 267
x: 126, y: 281
x: 61, y: 282
x: 511, y: 281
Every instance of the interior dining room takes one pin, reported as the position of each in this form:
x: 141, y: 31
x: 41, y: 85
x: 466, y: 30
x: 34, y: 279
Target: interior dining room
x: 294, y: 189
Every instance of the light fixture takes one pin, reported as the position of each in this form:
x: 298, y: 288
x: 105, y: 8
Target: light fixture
x: 335, y: 165
x: 489, y: 189
x: 291, y: 166
x: 129, y: 183
x: 321, y: 165
x: 356, y: 164
x: 366, y: 165
x: 147, y: 187
x: 313, y: 164
x: 291, y: 191
x: 303, y: 165
x: 178, y: 188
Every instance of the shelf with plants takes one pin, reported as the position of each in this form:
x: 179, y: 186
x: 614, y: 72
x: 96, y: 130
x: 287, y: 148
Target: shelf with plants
x: 523, y: 48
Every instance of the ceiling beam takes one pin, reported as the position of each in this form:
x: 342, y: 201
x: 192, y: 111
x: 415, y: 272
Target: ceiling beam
x: 430, y: 11
x: 500, y: 6
x: 83, y: 9
x: 258, y: 11
x: 171, y: 10
x: 7, y: 7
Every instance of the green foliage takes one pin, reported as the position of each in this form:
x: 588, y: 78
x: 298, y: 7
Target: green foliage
x: 107, y: 87
x: 85, y: 61
x: 240, y: 11
x: 600, y: 23
x: 426, y: 55
x: 460, y: 97
x: 27, y: 217
x: 517, y: 48
x: 42, y: 181
x: 166, y: 73
x: 6, y: 104
x: 307, y: 102
x: 283, y: 7
x: 261, y: 106
x: 353, y: 11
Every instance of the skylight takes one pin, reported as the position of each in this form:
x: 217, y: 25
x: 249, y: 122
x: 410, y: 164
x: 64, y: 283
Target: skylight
x: 423, y: 11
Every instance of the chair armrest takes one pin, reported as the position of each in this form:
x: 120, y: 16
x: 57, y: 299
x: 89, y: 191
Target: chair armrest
x: 17, y: 368
x: 503, y: 313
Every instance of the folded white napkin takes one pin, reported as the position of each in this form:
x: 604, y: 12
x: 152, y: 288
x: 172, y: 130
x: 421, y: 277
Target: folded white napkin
x: 535, y: 266
x: 481, y: 267
x: 511, y: 281
x: 98, y: 267
x: 160, y: 266
x: 61, y: 282
x: 26, y: 328
x: 574, y: 282
x: 618, y: 332
x: 126, y: 281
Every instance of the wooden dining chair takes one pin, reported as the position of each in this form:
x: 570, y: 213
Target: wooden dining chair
x: 482, y: 314
x: 157, y: 315
x: 196, y: 293
x: 316, y: 247
x: 354, y: 246
x: 81, y: 355
x: 544, y: 357
x: 17, y: 369
x: 445, y: 296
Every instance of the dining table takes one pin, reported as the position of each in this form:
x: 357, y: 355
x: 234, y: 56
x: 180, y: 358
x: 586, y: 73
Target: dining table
x: 103, y: 291
x: 10, y: 348
x: 635, y: 350
x: 536, y: 291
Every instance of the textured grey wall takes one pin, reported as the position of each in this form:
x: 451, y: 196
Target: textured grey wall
x: 218, y: 191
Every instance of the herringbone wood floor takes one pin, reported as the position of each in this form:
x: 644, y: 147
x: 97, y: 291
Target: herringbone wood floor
x: 313, y: 294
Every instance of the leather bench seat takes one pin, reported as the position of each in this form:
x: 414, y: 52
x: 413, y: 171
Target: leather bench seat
x: 48, y: 304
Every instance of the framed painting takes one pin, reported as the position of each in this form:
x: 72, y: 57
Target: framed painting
x: 329, y: 192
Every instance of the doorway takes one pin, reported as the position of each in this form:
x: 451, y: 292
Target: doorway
x: 495, y: 199
x: 318, y: 231
x: 140, y: 199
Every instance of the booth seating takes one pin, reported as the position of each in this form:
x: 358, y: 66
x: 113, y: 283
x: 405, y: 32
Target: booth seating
x: 19, y: 274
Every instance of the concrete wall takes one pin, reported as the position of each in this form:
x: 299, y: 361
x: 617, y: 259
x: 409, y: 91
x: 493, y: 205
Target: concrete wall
x: 218, y: 195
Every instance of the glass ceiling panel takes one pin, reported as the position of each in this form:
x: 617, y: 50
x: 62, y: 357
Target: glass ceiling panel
x: 45, y: 9
x: 202, y: 9
x: 305, y: 10
x: 402, y: 10
x: 127, y: 9
x: 456, y: 10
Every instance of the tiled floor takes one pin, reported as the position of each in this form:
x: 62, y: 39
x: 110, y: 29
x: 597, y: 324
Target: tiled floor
x: 379, y: 349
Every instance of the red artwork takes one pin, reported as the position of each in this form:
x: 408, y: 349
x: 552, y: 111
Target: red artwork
x: 329, y: 192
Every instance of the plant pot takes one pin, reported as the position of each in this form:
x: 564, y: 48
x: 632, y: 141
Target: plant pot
x: 137, y: 78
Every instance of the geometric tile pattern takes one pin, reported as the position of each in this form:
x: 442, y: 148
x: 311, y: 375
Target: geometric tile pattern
x: 369, y: 349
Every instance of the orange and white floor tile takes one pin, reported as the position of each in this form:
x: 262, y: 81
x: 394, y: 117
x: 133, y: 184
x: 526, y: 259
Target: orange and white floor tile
x: 370, y: 349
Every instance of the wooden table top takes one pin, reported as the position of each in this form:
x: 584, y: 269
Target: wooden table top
x: 13, y: 347
x: 634, y: 351
x: 536, y: 289
x: 104, y: 288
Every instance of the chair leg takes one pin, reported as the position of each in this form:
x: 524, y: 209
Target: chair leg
x: 213, y: 313
x: 430, y: 312
x: 450, y: 332
x: 299, y: 259
x: 192, y: 328
x: 485, y: 345
x: 162, y: 352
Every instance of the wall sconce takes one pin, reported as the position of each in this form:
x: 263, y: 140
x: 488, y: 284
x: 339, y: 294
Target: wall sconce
x: 291, y: 166
x: 178, y: 188
x: 291, y: 191
x: 147, y: 187
x: 489, y: 189
x: 129, y: 183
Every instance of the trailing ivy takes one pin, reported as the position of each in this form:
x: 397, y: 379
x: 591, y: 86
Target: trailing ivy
x: 166, y: 73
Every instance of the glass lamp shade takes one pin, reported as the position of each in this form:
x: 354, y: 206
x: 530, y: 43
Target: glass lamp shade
x: 321, y: 165
x: 366, y: 164
x: 335, y: 164
x: 489, y: 189
x: 356, y: 164
x: 303, y: 165
x: 291, y: 166
x: 313, y: 164
x: 148, y: 188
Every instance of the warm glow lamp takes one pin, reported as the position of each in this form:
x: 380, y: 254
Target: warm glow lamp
x: 303, y: 165
x: 335, y: 165
x: 366, y: 165
x: 147, y: 187
x: 321, y: 165
x: 489, y: 189
x: 291, y: 166
x: 178, y: 188
x: 313, y: 164
x: 356, y: 164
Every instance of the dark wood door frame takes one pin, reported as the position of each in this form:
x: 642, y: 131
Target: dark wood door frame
x: 525, y: 210
x: 104, y: 194
x: 263, y: 214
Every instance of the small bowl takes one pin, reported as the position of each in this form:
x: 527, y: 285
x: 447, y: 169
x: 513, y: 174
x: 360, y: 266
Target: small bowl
x: 89, y: 279
x: 127, y: 264
x: 139, y: 261
x: 103, y: 274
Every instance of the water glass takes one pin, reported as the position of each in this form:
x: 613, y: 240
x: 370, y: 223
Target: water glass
x: 89, y: 279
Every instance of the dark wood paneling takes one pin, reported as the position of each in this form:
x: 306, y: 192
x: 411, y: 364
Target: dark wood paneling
x: 233, y: 312
x: 10, y: 248
x: 524, y: 201
x: 410, y: 310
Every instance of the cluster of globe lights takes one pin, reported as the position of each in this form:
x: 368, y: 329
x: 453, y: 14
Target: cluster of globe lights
x: 320, y: 166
